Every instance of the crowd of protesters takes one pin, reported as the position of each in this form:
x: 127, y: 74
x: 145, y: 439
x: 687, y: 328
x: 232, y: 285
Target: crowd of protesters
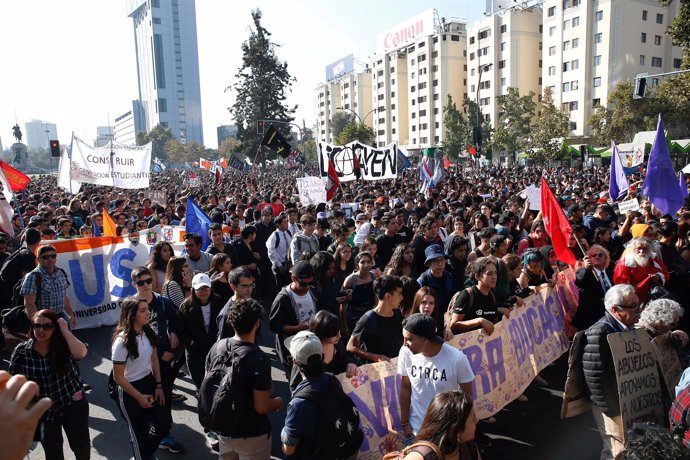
x: 381, y: 272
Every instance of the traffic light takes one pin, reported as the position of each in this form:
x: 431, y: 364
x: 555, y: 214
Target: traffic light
x: 478, y: 138
x: 55, y: 149
x: 640, y: 85
x: 260, y: 127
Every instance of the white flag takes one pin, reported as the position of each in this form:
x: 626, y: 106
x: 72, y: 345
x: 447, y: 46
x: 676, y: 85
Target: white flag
x: 63, y: 179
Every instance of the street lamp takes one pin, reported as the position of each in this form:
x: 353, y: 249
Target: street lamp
x: 478, y: 126
x: 361, y: 122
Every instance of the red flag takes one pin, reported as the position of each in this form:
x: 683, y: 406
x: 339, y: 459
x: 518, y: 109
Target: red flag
x: 472, y: 151
x: 357, y: 171
x: 219, y: 177
x: 17, y: 179
x: 332, y: 182
x: 556, y: 225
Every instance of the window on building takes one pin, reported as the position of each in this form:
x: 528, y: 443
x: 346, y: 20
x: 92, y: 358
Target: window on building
x: 656, y: 62
x: 414, y: 128
x: 435, y: 68
x: 435, y: 40
x: 413, y: 89
x: 596, y: 102
x: 598, y: 37
x: 552, y: 70
x: 659, y: 18
x: 392, y: 69
x: 575, y: 64
x: 552, y: 31
x: 644, y: 15
x: 597, y: 82
x: 566, y: 24
x: 677, y: 63
x: 436, y: 96
x: 566, y: 86
x: 573, y: 126
x: 472, y: 40
x: 422, y: 57
x: 503, y: 81
x: 421, y: 44
x: 503, y: 46
x: 434, y: 54
x: 599, y: 16
x: 576, y: 42
x: 574, y: 85
x: 155, y: 3
x: 552, y: 51
x: 471, y: 56
x: 551, y: 11
x: 435, y: 82
x: 156, y: 20
x: 576, y: 2
x: 455, y: 38
x: 641, y: 59
x: 597, y: 60
x: 422, y: 113
x: 162, y: 105
x: 381, y: 96
x: 566, y: 45
x: 657, y: 39
x: 576, y: 21
x: 502, y: 64
x: 472, y: 72
x: 566, y: 4
x: 643, y: 37
x: 504, y: 28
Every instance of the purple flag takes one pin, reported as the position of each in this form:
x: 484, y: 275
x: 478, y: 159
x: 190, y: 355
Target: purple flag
x: 618, y: 183
x: 661, y: 183
x: 683, y: 185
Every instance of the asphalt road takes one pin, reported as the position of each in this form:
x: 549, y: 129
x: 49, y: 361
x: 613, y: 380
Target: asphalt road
x: 531, y: 430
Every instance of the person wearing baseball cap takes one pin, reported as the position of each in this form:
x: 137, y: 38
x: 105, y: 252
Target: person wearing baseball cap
x: 293, y: 309
x: 427, y: 366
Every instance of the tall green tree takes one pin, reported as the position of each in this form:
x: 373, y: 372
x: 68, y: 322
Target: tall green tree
x: 476, y: 117
x: 260, y: 93
x: 339, y: 120
x: 514, y: 124
x: 309, y: 150
x: 679, y: 30
x: 551, y: 126
x: 158, y: 136
x: 356, y: 132
x: 458, y: 130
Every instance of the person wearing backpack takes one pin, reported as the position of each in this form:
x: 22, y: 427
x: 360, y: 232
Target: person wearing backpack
x: 235, y: 396
x: 18, y: 264
x: 322, y: 422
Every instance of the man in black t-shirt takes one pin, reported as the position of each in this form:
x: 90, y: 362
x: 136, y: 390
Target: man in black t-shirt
x: 390, y: 239
x: 251, y: 433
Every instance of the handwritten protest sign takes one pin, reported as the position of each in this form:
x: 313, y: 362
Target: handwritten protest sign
x: 639, y: 388
x: 157, y: 197
x: 377, y: 163
x: 668, y: 361
x: 504, y: 364
x: 311, y: 189
x: 629, y: 205
x: 343, y: 158
x: 533, y: 194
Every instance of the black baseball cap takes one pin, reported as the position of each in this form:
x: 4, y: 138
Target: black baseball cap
x: 423, y: 326
x: 302, y: 270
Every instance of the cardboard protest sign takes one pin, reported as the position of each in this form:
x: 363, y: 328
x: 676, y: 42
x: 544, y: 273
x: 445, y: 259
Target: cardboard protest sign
x: 629, y: 205
x: 311, y: 189
x: 669, y: 364
x: 639, y: 388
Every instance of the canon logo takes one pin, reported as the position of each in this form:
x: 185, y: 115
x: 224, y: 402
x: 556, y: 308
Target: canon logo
x: 400, y: 37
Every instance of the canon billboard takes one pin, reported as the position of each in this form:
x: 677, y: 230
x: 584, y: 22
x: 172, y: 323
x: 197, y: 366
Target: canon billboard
x: 406, y: 32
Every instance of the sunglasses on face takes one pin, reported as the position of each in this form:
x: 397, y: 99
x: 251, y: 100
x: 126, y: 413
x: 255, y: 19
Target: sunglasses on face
x: 49, y: 256
x: 143, y: 282
x: 45, y: 326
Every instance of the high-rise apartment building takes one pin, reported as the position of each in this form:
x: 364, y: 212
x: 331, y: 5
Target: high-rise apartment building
x: 104, y: 134
x: 37, y: 133
x: 591, y: 45
x: 504, y: 51
x: 128, y: 124
x: 420, y: 62
x: 168, y: 65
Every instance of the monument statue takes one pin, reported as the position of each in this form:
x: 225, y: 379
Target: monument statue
x: 17, y: 133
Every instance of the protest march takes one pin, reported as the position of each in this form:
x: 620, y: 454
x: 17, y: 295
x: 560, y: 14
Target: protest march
x: 396, y: 291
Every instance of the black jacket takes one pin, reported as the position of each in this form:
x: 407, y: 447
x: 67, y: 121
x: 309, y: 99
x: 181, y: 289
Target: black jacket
x: 283, y: 314
x: 163, y: 321
x: 597, y: 364
x: 193, y: 333
x: 591, y: 301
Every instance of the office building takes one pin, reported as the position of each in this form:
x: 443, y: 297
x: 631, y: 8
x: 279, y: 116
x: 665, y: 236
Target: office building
x: 38, y: 133
x: 504, y: 51
x: 128, y: 124
x: 103, y: 136
x: 168, y: 66
x: 224, y: 132
x: 590, y: 46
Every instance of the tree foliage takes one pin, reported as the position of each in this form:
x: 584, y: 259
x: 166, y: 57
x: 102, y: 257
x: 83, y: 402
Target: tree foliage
x: 309, y: 150
x: 230, y: 146
x: 158, y: 136
x: 339, y: 121
x: 514, y: 125
x: 260, y: 92
x: 551, y: 126
x: 679, y: 30
x: 458, y: 130
x: 356, y: 132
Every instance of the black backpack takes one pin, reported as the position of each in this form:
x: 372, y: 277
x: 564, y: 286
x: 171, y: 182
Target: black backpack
x: 338, y: 435
x: 221, y: 403
x: 11, y: 273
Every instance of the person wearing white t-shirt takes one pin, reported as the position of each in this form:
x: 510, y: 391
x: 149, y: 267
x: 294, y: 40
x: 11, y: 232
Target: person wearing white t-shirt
x: 428, y: 366
x: 137, y: 375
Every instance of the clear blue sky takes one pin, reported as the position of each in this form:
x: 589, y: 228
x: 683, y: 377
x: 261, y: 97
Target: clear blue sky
x: 72, y: 62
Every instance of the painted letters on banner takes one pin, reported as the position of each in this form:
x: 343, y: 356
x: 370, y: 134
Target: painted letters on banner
x: 639, y: 388
x: 504, y: 364
x: 115, y: 164
x: 374, y: 163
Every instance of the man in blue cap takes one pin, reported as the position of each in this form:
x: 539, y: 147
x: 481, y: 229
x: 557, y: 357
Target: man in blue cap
x: 428, y: 367
x: 437, y: 277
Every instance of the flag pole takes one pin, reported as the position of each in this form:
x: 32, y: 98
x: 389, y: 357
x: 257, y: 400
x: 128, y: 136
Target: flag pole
x: 16, y: 203
x: 69, y: 157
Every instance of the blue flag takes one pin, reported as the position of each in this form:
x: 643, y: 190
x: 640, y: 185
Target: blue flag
x: 96, y: 230
x: 683, y: 185
x: 402, y: 161
x: 661, y: 183
x: 197, y: 222
x: 618, y: 183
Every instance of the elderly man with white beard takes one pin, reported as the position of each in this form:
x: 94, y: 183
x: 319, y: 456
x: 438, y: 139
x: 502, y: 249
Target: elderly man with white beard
x: 640, y: 267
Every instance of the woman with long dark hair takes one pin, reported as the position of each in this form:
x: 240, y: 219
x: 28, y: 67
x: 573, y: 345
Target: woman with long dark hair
x: 361, y: 282
x: 197, y: 324
x: 221, y: 265
x: 158, y: 263
x: 178, y: 281
x: 49, y: 358
x: 401, y: 261
x: 137, y: 374
x: 344, y: 262
x: 329, y: 293
x: 450, y: 425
